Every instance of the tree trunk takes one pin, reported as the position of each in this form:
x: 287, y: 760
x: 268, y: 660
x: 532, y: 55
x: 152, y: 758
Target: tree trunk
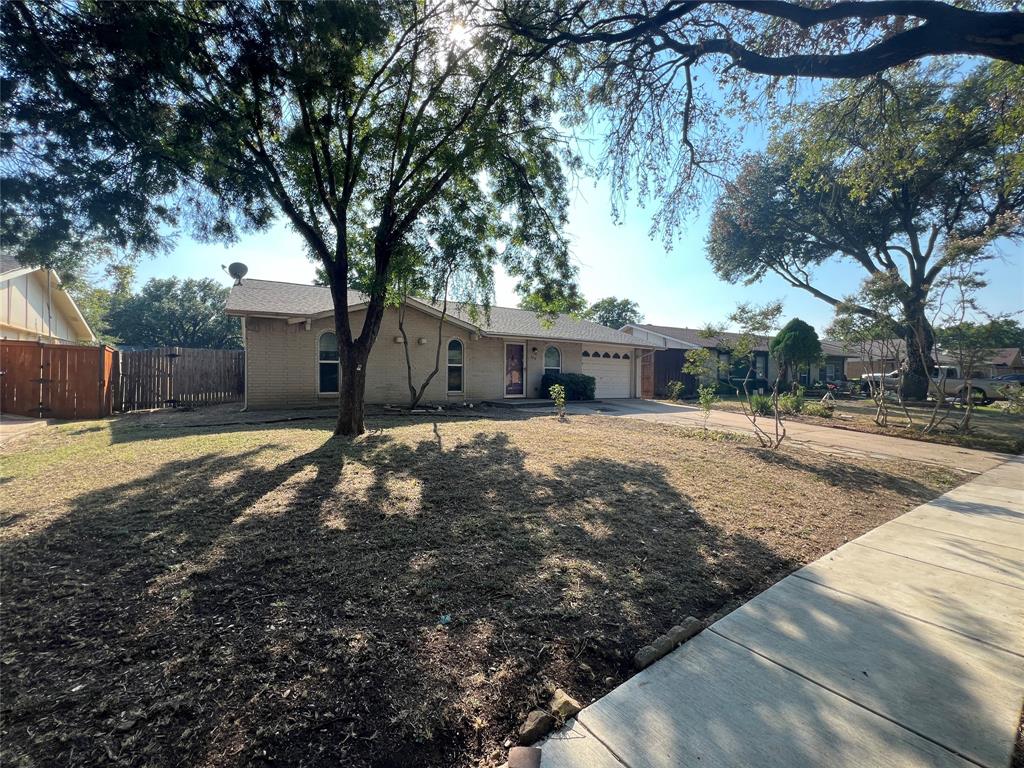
x: 351, y: 392
x: 918, y: 336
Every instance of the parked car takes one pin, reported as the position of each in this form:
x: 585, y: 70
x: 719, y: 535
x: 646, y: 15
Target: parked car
x: 981, y: 389
x: 1012, y: 378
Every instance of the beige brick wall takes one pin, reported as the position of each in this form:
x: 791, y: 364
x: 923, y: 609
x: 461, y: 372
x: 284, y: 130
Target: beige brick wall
x: 281, y: 362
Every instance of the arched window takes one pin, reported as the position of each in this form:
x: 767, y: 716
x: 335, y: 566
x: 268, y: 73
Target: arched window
x: 606, y: 355
x: 552, y: 360
x: 455, y: 365
x: 615, y: 356
x: 328, y: 363
x: 585, y: 353
x: 625, y: 356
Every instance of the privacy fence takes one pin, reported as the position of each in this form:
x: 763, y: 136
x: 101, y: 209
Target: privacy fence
x: 67, y: 381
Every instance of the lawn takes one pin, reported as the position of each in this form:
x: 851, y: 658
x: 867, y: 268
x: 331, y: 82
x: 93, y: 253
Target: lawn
x: 991, y: 427
x: 252, y: 594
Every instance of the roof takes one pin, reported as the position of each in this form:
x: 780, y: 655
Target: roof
x: 11, y: 268
x: 726, y: 339
x: 1006, y: 356
x: 274, y: 299
x: 10, y: 264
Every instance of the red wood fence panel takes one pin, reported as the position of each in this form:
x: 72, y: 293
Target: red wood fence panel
x: 60, y: 381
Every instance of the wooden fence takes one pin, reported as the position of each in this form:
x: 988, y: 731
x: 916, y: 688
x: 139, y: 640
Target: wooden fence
x: 170, y: 376
x: 58, y: 381
x: 69, y: 381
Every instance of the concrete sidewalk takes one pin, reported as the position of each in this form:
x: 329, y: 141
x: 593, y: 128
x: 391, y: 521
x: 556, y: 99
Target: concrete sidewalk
x: 904, y: 647
x: 827, y: 439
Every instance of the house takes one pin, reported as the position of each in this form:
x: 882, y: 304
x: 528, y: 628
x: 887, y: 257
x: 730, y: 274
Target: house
x: 35, y: 307
x: 885, y: 355
x: 1007, y: 360
x: 292, y: 350
x: 671, y: 344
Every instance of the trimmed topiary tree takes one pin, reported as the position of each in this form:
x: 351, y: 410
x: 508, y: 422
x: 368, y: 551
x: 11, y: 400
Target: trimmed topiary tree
x: 795, y: 345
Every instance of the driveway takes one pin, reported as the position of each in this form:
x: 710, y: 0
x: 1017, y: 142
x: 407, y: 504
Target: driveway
x: 827, y: 439
x: 903, y: 647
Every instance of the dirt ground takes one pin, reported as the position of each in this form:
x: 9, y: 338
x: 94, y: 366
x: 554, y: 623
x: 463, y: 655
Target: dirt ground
x: 249, y: 594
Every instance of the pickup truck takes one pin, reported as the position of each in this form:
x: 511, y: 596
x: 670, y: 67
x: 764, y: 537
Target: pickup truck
x: 982, y: 390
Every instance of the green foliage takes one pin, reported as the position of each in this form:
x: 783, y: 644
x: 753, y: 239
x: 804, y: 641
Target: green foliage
x: 904, y: 188
x: 395, y: 149
x: 676, y: 390
x: 615, y: 313
x: 555, y: 300
x: 761, y: 405
x: 701, y: 363
x: 557, y: 393
x: 1014, y: 395
x: 706, y: 399
x: 822, y: 410
x: 796, y: 345
x: 577, y: 386
x: 792, y: 403
x: 174, y: 312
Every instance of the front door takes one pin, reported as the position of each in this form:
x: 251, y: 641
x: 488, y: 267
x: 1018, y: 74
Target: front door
x: 515, y: 370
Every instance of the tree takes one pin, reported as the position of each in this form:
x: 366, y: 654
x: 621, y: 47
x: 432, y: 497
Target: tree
x: 675, y: 81
x: 96, y: 301
x: 999, y: 332
x: 369, y: 127
x: 903, y: 185
x: 795, y: 345
x: 615, y: 313
x: 169, y: 312
x: 549, y: 302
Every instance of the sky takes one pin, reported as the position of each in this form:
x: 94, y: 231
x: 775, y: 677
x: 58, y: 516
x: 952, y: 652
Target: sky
x: 676, y: 288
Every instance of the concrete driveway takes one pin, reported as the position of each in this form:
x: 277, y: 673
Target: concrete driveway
x: 827, y: 439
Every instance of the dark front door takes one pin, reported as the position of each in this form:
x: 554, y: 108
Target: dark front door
x: 515, y: 370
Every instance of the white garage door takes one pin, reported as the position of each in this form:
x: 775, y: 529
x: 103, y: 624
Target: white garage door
x: 610, y: 368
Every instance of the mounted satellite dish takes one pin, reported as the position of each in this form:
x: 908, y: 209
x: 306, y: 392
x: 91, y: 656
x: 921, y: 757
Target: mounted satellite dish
x: 237, y: 270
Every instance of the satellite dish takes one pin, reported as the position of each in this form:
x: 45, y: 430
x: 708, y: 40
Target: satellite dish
x: 237, y: 270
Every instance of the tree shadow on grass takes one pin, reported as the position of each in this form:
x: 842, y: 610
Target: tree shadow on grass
x: 370, y: 602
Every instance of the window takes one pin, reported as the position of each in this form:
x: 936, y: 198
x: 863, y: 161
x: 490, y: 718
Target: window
x: 455, y: 363
x: 328, y: 363
x: 552, y: 360
x: 761, y: 366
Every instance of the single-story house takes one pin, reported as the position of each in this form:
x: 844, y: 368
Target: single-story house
x: 1007, y: 360
x: 885, y: 355
x: 35, y: 307
x: 671, y: 344
x: 292, y: 349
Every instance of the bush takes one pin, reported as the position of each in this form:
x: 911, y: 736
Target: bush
x: 824, y: 410
x: 792, y: 402
x: 676, y: 390
x: 761, y: 404
x: 577, y: 386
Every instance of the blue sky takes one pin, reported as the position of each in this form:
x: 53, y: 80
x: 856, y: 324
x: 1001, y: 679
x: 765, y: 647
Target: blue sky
x: 672, y: 288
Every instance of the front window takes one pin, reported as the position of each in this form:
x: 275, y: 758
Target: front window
x: 455, y: 365
x: 328, y: 363
x: 761, y: 362
x: 552, y: 360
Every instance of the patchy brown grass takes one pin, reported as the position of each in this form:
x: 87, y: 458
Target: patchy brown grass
x: 991, y: 429
x: 249, y: 594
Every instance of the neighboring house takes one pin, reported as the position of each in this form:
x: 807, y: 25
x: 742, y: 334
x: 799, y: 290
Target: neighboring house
x: 292, y: 350
x: 1007, y: 360
x: 35, y: 307
x: 886, y: 355
x: 672, y: 343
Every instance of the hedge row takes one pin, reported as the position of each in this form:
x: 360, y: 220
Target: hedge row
x: 577, y: 386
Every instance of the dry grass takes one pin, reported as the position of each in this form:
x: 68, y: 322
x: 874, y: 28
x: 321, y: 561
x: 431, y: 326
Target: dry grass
x: 235, y: 595
x: 992, y: 429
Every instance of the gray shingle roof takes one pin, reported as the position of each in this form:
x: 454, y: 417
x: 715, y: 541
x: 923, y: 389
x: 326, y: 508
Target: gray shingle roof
x: 8, y: 263
x: 266, y: 297
x: 728, y: 339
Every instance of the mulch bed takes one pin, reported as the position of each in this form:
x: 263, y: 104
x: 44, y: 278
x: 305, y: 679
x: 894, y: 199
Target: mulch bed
x: 259, y: 594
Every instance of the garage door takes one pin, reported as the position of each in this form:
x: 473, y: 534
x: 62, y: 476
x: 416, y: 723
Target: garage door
x: 610, y: 368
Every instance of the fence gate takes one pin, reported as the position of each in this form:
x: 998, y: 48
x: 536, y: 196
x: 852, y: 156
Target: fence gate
x: 169, y: 376
x: 59, y: 381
